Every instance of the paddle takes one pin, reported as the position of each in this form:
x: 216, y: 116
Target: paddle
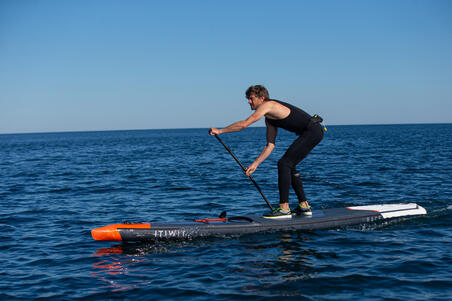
x: 243, y: 168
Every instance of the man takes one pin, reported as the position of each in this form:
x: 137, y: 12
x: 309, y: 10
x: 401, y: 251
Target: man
x: 279, y: 114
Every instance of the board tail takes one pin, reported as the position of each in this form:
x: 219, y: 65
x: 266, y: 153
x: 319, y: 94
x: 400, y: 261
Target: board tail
x: 393, y: 210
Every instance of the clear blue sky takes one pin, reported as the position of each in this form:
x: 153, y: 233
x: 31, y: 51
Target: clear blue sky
x: 109, y: 65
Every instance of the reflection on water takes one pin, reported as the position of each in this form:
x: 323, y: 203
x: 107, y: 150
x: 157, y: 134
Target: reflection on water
x: 263, y: 260
x: 113, y: 264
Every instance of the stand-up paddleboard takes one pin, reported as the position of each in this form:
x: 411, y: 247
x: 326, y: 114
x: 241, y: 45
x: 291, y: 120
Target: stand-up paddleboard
x: 320, y: 219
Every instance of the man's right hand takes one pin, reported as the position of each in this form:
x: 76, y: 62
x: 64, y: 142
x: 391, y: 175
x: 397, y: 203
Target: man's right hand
x: 214, y: 131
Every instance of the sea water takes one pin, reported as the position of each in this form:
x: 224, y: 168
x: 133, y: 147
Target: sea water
x: 56, y: 187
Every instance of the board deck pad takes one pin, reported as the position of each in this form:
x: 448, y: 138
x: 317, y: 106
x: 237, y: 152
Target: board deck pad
x: 320, y: 219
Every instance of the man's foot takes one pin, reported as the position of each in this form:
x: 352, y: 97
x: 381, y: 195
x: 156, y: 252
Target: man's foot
x: 278, y: 213
x: 302, y: 210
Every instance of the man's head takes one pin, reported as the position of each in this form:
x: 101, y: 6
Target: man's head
x: 258, y: 91
x: 256, y: 95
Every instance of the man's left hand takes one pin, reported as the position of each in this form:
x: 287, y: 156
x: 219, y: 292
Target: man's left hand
x: 250, y: 169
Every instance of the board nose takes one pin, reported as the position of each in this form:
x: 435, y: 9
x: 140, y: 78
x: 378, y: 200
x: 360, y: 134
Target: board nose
x: 111, y: 232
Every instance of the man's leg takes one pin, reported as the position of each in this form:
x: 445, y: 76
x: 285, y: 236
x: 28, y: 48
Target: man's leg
x: 299, y: 149
x: 284, y: 181
x: 297, y: 186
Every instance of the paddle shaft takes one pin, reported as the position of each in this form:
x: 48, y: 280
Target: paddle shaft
x: 244, y: 169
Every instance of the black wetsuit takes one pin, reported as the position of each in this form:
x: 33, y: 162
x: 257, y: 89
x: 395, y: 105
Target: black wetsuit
x: 310, y: 133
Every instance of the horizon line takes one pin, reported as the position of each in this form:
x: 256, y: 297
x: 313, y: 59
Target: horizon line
x: 196, y: 128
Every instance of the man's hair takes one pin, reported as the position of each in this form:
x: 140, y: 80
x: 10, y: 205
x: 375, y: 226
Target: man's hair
x: 258, y: 91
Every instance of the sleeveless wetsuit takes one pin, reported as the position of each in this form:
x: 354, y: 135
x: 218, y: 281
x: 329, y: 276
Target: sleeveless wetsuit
x: 310, y: 133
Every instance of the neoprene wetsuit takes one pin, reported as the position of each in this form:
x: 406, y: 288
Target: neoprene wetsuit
x: 310, y: 133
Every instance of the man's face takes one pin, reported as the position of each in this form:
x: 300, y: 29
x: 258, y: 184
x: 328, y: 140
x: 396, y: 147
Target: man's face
x: 254, y: 101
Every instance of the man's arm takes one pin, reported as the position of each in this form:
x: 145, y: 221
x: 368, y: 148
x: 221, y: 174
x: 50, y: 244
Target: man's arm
x: 240, y: 125
x: 268, y: 149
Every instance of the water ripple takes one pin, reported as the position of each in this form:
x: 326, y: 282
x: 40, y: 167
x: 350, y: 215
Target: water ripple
x: 56, y: 187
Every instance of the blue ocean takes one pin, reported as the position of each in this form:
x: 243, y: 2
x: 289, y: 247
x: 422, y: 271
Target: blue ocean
x: 56, y: 187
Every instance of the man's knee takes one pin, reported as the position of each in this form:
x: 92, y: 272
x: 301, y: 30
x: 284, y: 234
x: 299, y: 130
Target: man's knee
x: 284, y: 164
